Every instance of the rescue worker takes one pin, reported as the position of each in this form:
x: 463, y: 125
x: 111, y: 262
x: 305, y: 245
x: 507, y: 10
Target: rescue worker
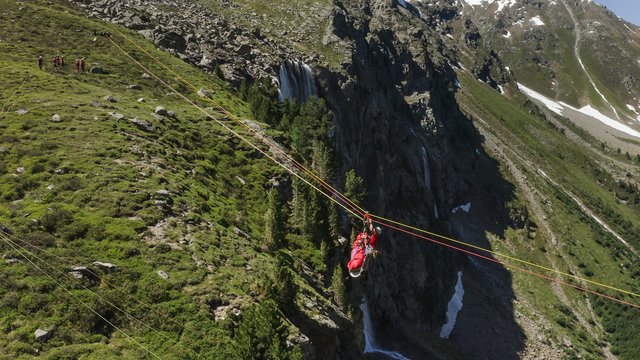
x: 366, y: 239
x: 40, y: 62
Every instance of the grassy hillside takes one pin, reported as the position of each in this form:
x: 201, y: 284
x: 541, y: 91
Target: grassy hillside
x: 549, y: 168
x: 174, y: 201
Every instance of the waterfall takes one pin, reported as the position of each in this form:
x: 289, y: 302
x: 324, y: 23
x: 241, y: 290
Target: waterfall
x: 370, y: 345
x: 296, y: 81
x: 425, y: 167
x: 454, y: 306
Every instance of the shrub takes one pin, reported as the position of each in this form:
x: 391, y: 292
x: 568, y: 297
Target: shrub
x: 262, y: 335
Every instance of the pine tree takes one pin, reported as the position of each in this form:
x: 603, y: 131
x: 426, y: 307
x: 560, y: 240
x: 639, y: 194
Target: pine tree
x: 275, y: 222
x: 354, y: 187
x: 354, y: 190
x: 338, y: 287
x: 262, y: 334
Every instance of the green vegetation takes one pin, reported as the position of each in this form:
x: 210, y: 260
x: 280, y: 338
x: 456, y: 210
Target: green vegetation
x: 174, y: 201
x: 582, y: 246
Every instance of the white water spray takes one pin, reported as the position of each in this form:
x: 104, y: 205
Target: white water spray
x: 296, y: 81
x: 370, y: 345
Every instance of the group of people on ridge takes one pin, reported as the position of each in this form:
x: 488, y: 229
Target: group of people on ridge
x: 58, y: 63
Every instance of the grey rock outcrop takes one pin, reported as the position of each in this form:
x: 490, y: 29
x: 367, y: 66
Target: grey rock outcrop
x: 42, y: 335
x: 160, y: 110
x: 105, y: 265
x: 116, y: 115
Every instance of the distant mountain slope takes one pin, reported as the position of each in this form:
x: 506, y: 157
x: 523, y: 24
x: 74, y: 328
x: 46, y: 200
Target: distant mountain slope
x: 578, y: 53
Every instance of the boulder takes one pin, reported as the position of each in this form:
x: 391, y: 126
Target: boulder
x: 22, y: 111
x: 56, y: 118
x: 163, y: 274
x: 135, y: 87
x: 146, y: 76
x: 243, y: 49
x: 140, y: 100
x: 116, y: 115
x: 97, y: 70
x: 95, y: 103
x: 172, y: 40
x: 105, y: 265
x: 205, y: 93
x: 142, y: 125
x: 110, y: 98
x: 20, y: 170
x: 42, y: 335
x: 161, y: 111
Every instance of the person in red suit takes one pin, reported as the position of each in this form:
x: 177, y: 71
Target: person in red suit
x: 364, y: 245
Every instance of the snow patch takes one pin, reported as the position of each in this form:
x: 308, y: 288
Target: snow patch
x: 501, y: 3
x: 501, y: 89
x: 588, y: 110
x: 453, y: 308
x: 508, y: 35
x: 558, y: 108
x: 550, y: 104
x: 466, y: 207
x: 536, y: 21
x: 370, y: 345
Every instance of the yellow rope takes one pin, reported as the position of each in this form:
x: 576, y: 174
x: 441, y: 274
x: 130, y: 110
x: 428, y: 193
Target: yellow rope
x: 310, y: 173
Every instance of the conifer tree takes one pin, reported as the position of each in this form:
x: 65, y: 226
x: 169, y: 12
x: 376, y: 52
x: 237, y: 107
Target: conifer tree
x: 275, y: 221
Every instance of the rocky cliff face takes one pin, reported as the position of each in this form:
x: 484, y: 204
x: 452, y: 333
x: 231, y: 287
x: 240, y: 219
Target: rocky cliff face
x: 399, y: 126
x: 542, y: 40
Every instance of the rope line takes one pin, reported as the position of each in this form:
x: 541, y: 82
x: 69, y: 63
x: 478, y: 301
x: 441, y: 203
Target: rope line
x: 16, y: 241
x: 7, y: 105
x: 348, y: 203
x: 231, y: 130
x: 238, y: 120
x: 542, y: 276
x: 11, y: 244
x: 506, y: 256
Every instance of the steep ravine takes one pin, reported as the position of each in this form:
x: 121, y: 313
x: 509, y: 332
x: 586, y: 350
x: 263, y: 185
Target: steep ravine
x: 399, y: 89
x: 399, y: 126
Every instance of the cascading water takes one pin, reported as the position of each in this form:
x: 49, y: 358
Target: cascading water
x: 454, y: 306
x: 370, y: 345
x: 425, y: 167
x: 296, y: 81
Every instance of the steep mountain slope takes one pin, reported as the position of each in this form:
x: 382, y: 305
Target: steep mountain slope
x: 149, y: 220
x: 575, y: 52
x: 425, y: 111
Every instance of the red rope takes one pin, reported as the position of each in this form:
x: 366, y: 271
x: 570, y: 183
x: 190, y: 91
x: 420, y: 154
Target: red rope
x: 542, y: 276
